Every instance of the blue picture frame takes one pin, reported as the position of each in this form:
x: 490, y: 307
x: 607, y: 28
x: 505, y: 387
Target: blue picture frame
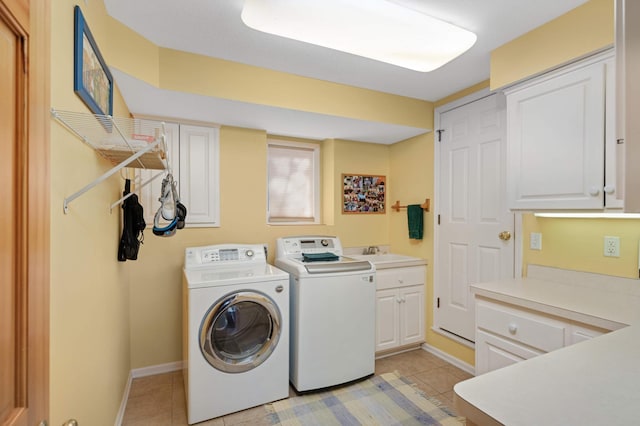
x: 92, y: 80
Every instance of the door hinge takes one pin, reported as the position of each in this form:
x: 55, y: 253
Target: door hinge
x: 438, y: 303
x: 438, y: 219
x: 439, y: 132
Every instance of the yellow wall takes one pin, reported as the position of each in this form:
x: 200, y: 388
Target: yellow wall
x: 89, y: 328
x: 578, y: 244
x: 579, y: 32
x: 108, y: 317
x: 412, y: 171
x: 156, y: 278
x: 191, y: 73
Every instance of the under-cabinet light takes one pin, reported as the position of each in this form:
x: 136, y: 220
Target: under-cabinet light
x: 590, y: 215
x: 376, y: 29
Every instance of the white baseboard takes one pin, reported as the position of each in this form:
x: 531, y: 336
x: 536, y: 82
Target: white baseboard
x: 143, y: 372
x: 450, y: 359
x: 123, y: 403
x: 157, y: 369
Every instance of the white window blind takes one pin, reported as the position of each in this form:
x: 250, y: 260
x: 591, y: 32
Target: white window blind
x: 293, y: 182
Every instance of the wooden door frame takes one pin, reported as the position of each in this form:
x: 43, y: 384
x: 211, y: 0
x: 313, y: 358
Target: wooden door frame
x: 33, y: 200
x: 476, y: 96
x: 38, y: 208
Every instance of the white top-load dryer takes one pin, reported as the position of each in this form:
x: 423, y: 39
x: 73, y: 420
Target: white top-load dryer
x: 235, y: 330
x: 332, y: 312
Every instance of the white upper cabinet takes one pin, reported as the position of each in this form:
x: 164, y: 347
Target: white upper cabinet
x: 193, y: 158
x: 559, y: 126
x: 628, y: 102
x: 199, y: 175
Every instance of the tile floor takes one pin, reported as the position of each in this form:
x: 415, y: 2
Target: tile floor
x: 159, y: 400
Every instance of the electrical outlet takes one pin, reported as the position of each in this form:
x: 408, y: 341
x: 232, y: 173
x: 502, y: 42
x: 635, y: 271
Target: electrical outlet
x: 535, y: 241
x: 612, y: 246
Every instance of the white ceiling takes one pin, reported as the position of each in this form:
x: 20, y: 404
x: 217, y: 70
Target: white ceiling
x: 214, y: 28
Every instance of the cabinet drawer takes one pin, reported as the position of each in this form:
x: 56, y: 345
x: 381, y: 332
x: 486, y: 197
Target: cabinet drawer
x: 400, y: 277
x: 525, y: 327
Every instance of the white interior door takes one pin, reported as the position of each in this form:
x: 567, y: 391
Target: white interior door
x: 472, y: 211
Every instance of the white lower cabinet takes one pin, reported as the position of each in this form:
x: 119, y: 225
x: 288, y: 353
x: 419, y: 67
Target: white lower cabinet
x: 506, y: 334
x: 400, y: 306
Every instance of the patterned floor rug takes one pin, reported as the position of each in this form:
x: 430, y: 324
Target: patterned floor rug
x: 385, y: 400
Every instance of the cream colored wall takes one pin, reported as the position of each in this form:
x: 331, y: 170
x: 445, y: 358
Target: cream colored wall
x: 579, y: 32
x: 89, y: 328
x: 156, y: 278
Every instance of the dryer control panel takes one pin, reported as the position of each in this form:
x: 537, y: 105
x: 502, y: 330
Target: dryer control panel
x: 225, y: 254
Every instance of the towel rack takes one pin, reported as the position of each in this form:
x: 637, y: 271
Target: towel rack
x: 425, y: 206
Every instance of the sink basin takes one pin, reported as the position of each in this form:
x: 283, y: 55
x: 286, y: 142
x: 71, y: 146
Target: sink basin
x: 385, y: 258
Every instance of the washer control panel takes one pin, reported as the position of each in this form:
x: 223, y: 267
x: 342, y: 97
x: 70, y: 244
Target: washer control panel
x: 295, y: 246
x: 225, y: 254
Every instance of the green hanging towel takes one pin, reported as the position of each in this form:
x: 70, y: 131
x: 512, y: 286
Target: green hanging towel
x: 415, y: 220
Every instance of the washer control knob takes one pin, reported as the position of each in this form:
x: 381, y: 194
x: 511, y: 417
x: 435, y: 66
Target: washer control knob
x: 249, y: 253
x: 324, y: 243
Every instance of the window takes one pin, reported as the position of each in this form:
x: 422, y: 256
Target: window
x: 293, y: 192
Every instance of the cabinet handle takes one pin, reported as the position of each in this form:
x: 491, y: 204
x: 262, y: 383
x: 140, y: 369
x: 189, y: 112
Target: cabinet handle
x: 609, y: 189
x: 513, y: 328
x: 594, y: 191
x: 398, y: 300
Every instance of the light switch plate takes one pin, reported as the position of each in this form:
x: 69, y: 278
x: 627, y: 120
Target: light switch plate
x: 535, y: 241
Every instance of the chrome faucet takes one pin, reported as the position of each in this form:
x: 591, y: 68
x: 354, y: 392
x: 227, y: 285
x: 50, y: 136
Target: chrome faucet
x: 371, y: 250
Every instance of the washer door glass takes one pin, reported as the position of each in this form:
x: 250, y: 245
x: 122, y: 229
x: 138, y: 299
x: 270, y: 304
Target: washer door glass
x: 240, y: 331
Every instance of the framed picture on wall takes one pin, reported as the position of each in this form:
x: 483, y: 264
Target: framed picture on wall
x: 92, y: 80
x: 363, y: 194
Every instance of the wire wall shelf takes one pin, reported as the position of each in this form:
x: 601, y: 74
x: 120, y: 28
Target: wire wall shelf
x: 125, y: 142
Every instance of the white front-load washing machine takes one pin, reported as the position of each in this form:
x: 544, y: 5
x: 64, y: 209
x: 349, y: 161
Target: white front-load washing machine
x: 235, y: 330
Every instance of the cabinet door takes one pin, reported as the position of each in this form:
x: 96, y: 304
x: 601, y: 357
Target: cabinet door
x: 412, y: 305
x: 199, y: 175
x: 555, y: 137
x: 387, y: 314
x: 579, y: 333
x: 493, y: 352
x: 150, y: 193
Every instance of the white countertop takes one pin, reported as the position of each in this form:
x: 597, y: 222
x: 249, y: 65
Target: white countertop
x: 596, y: 382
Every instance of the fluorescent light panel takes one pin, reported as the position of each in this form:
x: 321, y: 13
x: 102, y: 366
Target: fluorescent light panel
x: 375, y: 29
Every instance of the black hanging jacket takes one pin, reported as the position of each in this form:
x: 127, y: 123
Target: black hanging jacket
x: 133, y: 225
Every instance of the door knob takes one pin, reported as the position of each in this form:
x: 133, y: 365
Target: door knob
x: 505, y: 235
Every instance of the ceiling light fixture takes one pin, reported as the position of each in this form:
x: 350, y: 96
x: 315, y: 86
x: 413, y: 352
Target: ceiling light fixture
x: 375, y: 29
